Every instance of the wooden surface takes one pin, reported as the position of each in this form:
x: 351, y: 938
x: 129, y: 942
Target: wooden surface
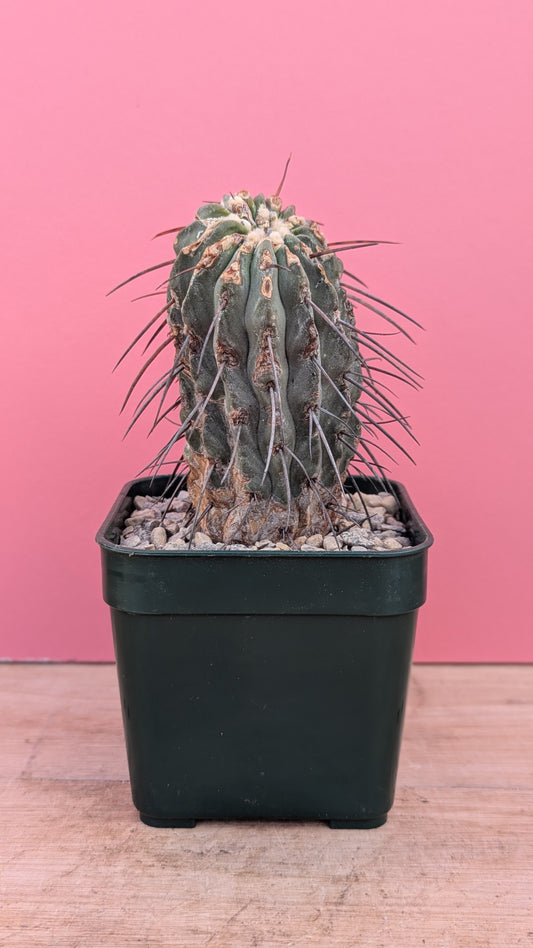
x: 453, y: 866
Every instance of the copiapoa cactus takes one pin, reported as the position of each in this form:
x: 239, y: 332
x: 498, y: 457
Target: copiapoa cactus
x: 280, y: 392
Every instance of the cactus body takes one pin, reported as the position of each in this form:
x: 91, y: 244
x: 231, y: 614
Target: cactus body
x: 267, y: 356
x: 254, y: 315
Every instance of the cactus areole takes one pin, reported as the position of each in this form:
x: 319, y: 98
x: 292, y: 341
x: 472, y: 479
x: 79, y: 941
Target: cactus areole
x: 267, y: 358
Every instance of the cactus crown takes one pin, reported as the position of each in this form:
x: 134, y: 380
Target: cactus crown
x: 275, y: 399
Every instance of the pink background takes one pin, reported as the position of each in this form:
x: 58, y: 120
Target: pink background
x: 407, y: 121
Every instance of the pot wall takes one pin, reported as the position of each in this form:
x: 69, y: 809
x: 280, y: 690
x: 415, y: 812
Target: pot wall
x: 263, y: 717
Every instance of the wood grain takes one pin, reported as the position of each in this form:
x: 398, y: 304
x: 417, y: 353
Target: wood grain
x: 453, y: 867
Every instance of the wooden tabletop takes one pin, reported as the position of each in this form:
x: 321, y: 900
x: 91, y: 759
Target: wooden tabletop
x: 452, y: 867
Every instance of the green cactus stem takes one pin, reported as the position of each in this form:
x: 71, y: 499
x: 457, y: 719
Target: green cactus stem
x: 276, y: 400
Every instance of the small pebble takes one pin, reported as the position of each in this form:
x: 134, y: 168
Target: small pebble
x: 373, y: 541
x: 355, y: 502
x: 176, y: 543
x: 354, y: 517
x: 200, y: 540
x: 389, y: 543
x: 159, y: 537
x: 131, y: 542
x: 180, y: 506
x: 373, y: 500
x: 355, y: 535
x: 315, y: 540
x: 393, y: 523
x: 404, y: 541
x: 138, y: 516
x: 331, y: 542
x: 376, y: 519
x: 389, y: 502
x: 141, y: 502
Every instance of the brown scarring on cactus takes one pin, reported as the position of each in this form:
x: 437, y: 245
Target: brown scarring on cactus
x: 276, y: 400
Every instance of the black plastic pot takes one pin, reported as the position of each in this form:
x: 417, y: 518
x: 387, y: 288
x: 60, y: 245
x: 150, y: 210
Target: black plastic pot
x: 260, y: 685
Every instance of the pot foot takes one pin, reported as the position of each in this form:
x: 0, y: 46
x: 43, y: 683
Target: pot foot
x: 169, y: 823
x: 372, y: 823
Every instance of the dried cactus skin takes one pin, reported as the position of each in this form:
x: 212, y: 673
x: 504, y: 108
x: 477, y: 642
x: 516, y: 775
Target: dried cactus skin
x: 268, y: 397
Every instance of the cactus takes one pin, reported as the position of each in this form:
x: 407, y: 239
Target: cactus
x: 276, y: 400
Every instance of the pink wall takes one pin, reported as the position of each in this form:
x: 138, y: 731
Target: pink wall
x: 407, y: 121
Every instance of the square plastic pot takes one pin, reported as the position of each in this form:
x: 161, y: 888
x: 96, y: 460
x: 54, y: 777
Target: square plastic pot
x: 263, y: 685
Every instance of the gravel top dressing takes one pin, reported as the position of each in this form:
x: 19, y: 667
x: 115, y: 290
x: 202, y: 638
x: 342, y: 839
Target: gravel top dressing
x: 367, y: 522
